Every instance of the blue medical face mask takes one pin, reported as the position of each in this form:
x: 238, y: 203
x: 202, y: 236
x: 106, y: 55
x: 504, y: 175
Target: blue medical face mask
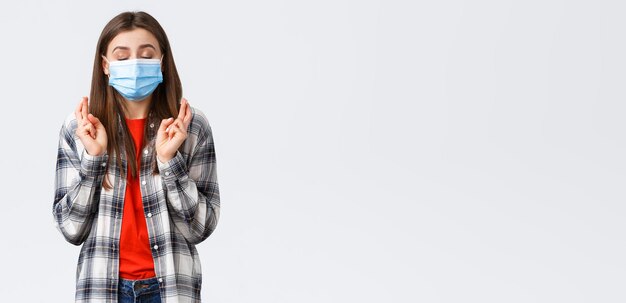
x: 135, y: 79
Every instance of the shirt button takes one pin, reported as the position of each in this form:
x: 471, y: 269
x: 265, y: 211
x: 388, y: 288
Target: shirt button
x: 104, y: 164
x: 149, y: 215
x: 151, y: 125
x: 143, y: 182
x: 160, y: 280
x: 145, y: 151
x: 167, y: 173
x: 156, y: 247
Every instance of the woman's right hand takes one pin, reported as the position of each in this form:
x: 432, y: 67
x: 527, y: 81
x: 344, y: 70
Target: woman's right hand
x: 90, y: 130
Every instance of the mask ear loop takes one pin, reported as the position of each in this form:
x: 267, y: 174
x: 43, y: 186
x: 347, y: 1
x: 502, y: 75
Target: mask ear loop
x: 107, y: 60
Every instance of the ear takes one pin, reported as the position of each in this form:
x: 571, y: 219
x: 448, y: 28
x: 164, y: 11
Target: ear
x: 105, y: 66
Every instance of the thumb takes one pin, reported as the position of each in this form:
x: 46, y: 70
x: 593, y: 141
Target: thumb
x: 165, y: 123
x: 95, y: 121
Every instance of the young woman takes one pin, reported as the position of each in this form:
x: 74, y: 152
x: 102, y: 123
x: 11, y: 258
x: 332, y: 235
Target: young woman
x: 136, y: 180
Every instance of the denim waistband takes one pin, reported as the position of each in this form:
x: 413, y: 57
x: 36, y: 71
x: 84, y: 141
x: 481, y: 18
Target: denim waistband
x: 138, y: 287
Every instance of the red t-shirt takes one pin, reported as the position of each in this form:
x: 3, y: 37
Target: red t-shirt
x: 135, y: 254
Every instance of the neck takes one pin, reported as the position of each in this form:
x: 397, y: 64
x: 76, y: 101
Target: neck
x: 137, y: 109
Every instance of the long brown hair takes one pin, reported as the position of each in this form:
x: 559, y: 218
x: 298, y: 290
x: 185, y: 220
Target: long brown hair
x: 107, y: 104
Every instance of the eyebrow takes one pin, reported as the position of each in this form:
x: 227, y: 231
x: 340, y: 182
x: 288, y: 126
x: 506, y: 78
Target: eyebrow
x: 140, y: 47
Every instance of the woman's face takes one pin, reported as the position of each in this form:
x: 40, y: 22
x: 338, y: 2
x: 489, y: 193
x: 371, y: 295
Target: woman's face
x: 134, y: 44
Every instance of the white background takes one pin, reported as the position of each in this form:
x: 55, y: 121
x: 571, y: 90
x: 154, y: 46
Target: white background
x: 368, y: 151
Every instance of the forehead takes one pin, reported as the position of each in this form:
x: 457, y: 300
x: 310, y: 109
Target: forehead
x: 133, y: 39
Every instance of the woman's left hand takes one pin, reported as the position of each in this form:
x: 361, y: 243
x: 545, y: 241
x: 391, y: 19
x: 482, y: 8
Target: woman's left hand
x: 172, y: 133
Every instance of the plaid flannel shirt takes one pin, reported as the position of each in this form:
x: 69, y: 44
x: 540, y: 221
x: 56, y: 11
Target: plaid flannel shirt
x: 181, y: 204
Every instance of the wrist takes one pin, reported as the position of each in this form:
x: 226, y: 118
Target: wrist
x: 163, y: 158
x: 98, y: 153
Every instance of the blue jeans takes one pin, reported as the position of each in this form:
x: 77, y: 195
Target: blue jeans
x: 139, y: 291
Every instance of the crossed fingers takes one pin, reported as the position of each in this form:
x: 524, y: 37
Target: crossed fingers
x: 84, y: 125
